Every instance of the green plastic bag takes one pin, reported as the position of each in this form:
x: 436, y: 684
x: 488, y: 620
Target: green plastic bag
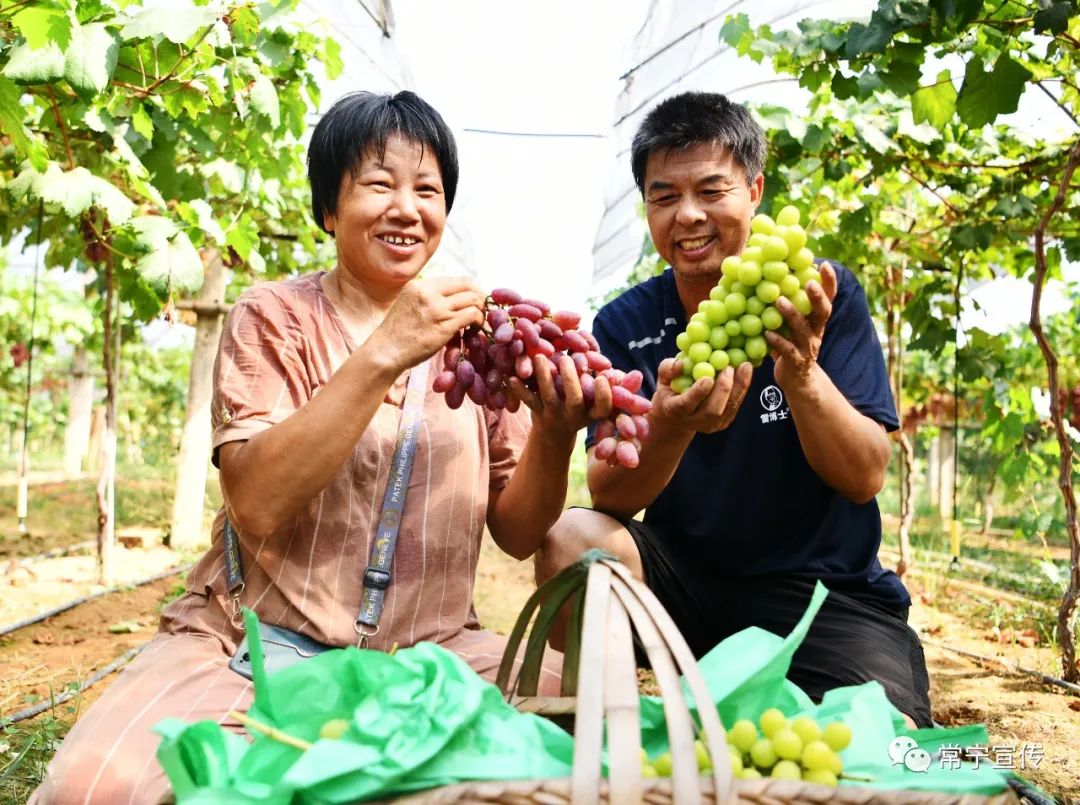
x: 747, y: 673
x: 419, y: 718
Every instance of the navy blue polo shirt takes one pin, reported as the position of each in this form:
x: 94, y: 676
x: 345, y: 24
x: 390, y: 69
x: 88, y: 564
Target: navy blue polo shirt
x: 745, y: 501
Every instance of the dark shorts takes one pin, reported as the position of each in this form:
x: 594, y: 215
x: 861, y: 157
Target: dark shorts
x: 854, y: 637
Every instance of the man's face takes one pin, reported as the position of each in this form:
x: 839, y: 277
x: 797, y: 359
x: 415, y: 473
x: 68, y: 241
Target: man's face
x: 699, y: 207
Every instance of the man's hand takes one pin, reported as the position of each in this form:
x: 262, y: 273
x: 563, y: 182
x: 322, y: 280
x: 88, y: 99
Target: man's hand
x: 566, y: 416
x: 796, y: 357
x: 708, y: 406
x: 424, y: 317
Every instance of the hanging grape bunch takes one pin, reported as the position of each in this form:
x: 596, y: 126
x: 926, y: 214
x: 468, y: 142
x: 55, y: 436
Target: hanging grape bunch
x: 479, y: 361
x: 729, y: 327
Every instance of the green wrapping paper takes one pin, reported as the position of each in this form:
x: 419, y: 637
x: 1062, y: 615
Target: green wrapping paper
x: 421, y: 718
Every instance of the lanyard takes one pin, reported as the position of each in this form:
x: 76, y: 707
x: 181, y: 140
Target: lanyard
x: 378, y: 573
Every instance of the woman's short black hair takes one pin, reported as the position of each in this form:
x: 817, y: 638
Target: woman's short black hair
x: 694, y: 118
x: 363, y: 121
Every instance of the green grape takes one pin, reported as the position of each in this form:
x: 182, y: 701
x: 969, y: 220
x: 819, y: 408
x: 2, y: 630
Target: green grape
x: 715, y: 312
x: 808, y: 275
x: 704, y: 762
x: 771, y: 318
x: 756, y: 239
x: 790, y: 285
x: 762, y: 223
x: 699, y: 351
x: 763, y: 754
x: 749, y: 773
x: 698, y: 331
x: 737, y: 356
x: 737, y: 342
x: 687, y: 364
x: 788, y: 216
x: 806, y: 728
x: 733, y: 328
x: 699, y: 316
x: 718, y: 292
x: 775, y: 248
x: 719, y: 338
x: 750, y: 273
x: 787, y: 744
x: 735, y: 304
x: 793, y: 236
x: 836, y: 764
x: 703, y: 369
x: 736, y: 761
x: 802, y: 259
x: 333, y: 728
x: 771, y: 721
x: 750, y: 324
x: 743, y: 734
x: 648, y: 771
x: 730, y: 266
x: 719, y: 360
x: 701, y: 305
x: 752, y: 255
x: 786, y: 770
x: 738, y: 287
x: 756, y: 349
x: 820, y: 777
x: 662, y: 764
x: 767, y: 291
x: 817, y: 755
x: 682, y: 341
x: 644, y: 756
x: 725, y: 284
x: 775, y: 271
x: 681, y: 384
x: 802, y: 302
x: 754, y: 306
x: 837, y: 735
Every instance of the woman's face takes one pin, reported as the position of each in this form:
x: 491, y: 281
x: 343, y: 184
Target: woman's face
x: 391, y: 215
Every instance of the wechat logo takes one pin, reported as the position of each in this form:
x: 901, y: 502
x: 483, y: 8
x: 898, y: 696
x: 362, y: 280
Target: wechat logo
x: 904, y: 750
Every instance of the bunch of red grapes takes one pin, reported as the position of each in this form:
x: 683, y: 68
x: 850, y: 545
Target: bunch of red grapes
x: 480, y: 360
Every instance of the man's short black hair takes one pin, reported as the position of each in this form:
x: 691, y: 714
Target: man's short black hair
x: 696, y: 118
x: 363, y: 121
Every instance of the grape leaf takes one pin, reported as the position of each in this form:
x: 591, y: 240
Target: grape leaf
x: 987, y: 94
x: 91, y: 59
x: 935, y: 104
x: 177, y: 24
x: 29, y: 66
x: 264, y: 99
x: 77, y: 190
x: 332, y: 58
x: 43, y: 22
x: 1053, y: 16
x: 172, y: 261
x: 11, y: 123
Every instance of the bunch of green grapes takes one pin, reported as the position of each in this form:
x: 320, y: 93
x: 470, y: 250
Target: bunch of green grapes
x: 729, y: 327
x: 800, y: 749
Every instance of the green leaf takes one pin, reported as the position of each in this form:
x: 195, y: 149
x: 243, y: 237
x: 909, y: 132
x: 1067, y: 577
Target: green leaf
x: 901, y: 77
x: 30, y: 66
x: 1054, y: 16
x: 244, y: 24
x: 733, y: 29
x: 332, y: 58
x: 177, y: 22
x: 86, y: 10
x: 78, y: 190
x: 935, y: 104
x: 42, y: 23
x: 142, y: 122
x: 869, y: 38
x: 171, y: 261
x: 264, y: 99
x: 12, y: 113
x: 91, y: 59
x: 985, y: 95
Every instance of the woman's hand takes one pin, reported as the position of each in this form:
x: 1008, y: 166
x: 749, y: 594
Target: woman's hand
x: 561, y: 418
x: 424, y: 317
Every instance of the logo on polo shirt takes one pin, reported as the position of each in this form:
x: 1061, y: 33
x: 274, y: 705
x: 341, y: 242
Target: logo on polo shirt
x: 771, y: 399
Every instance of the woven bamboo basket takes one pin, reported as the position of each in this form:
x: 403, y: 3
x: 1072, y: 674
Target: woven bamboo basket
x: 600, y: 694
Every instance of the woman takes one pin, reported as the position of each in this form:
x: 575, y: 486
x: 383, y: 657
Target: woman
x: 310, y: 380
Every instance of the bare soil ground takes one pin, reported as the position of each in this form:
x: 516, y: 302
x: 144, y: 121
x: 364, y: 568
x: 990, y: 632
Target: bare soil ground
x: 41, y: 660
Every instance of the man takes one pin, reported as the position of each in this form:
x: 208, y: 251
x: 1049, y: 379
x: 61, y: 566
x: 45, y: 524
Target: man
x: 760, y: 482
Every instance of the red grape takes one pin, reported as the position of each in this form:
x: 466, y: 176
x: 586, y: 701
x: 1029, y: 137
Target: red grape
x: 606, y: 447
x: 627, y: 455
x: 632, y: 381
x: 523, y: 310
x: 465, y: 372
x: 444, y: 381
x: 505, y: 296
x: 566, y: 319
x: 575, y: 341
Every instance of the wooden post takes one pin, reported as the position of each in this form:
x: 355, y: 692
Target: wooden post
x: 80, y: 404
x: 946, y: 462
x: 195, y: 442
